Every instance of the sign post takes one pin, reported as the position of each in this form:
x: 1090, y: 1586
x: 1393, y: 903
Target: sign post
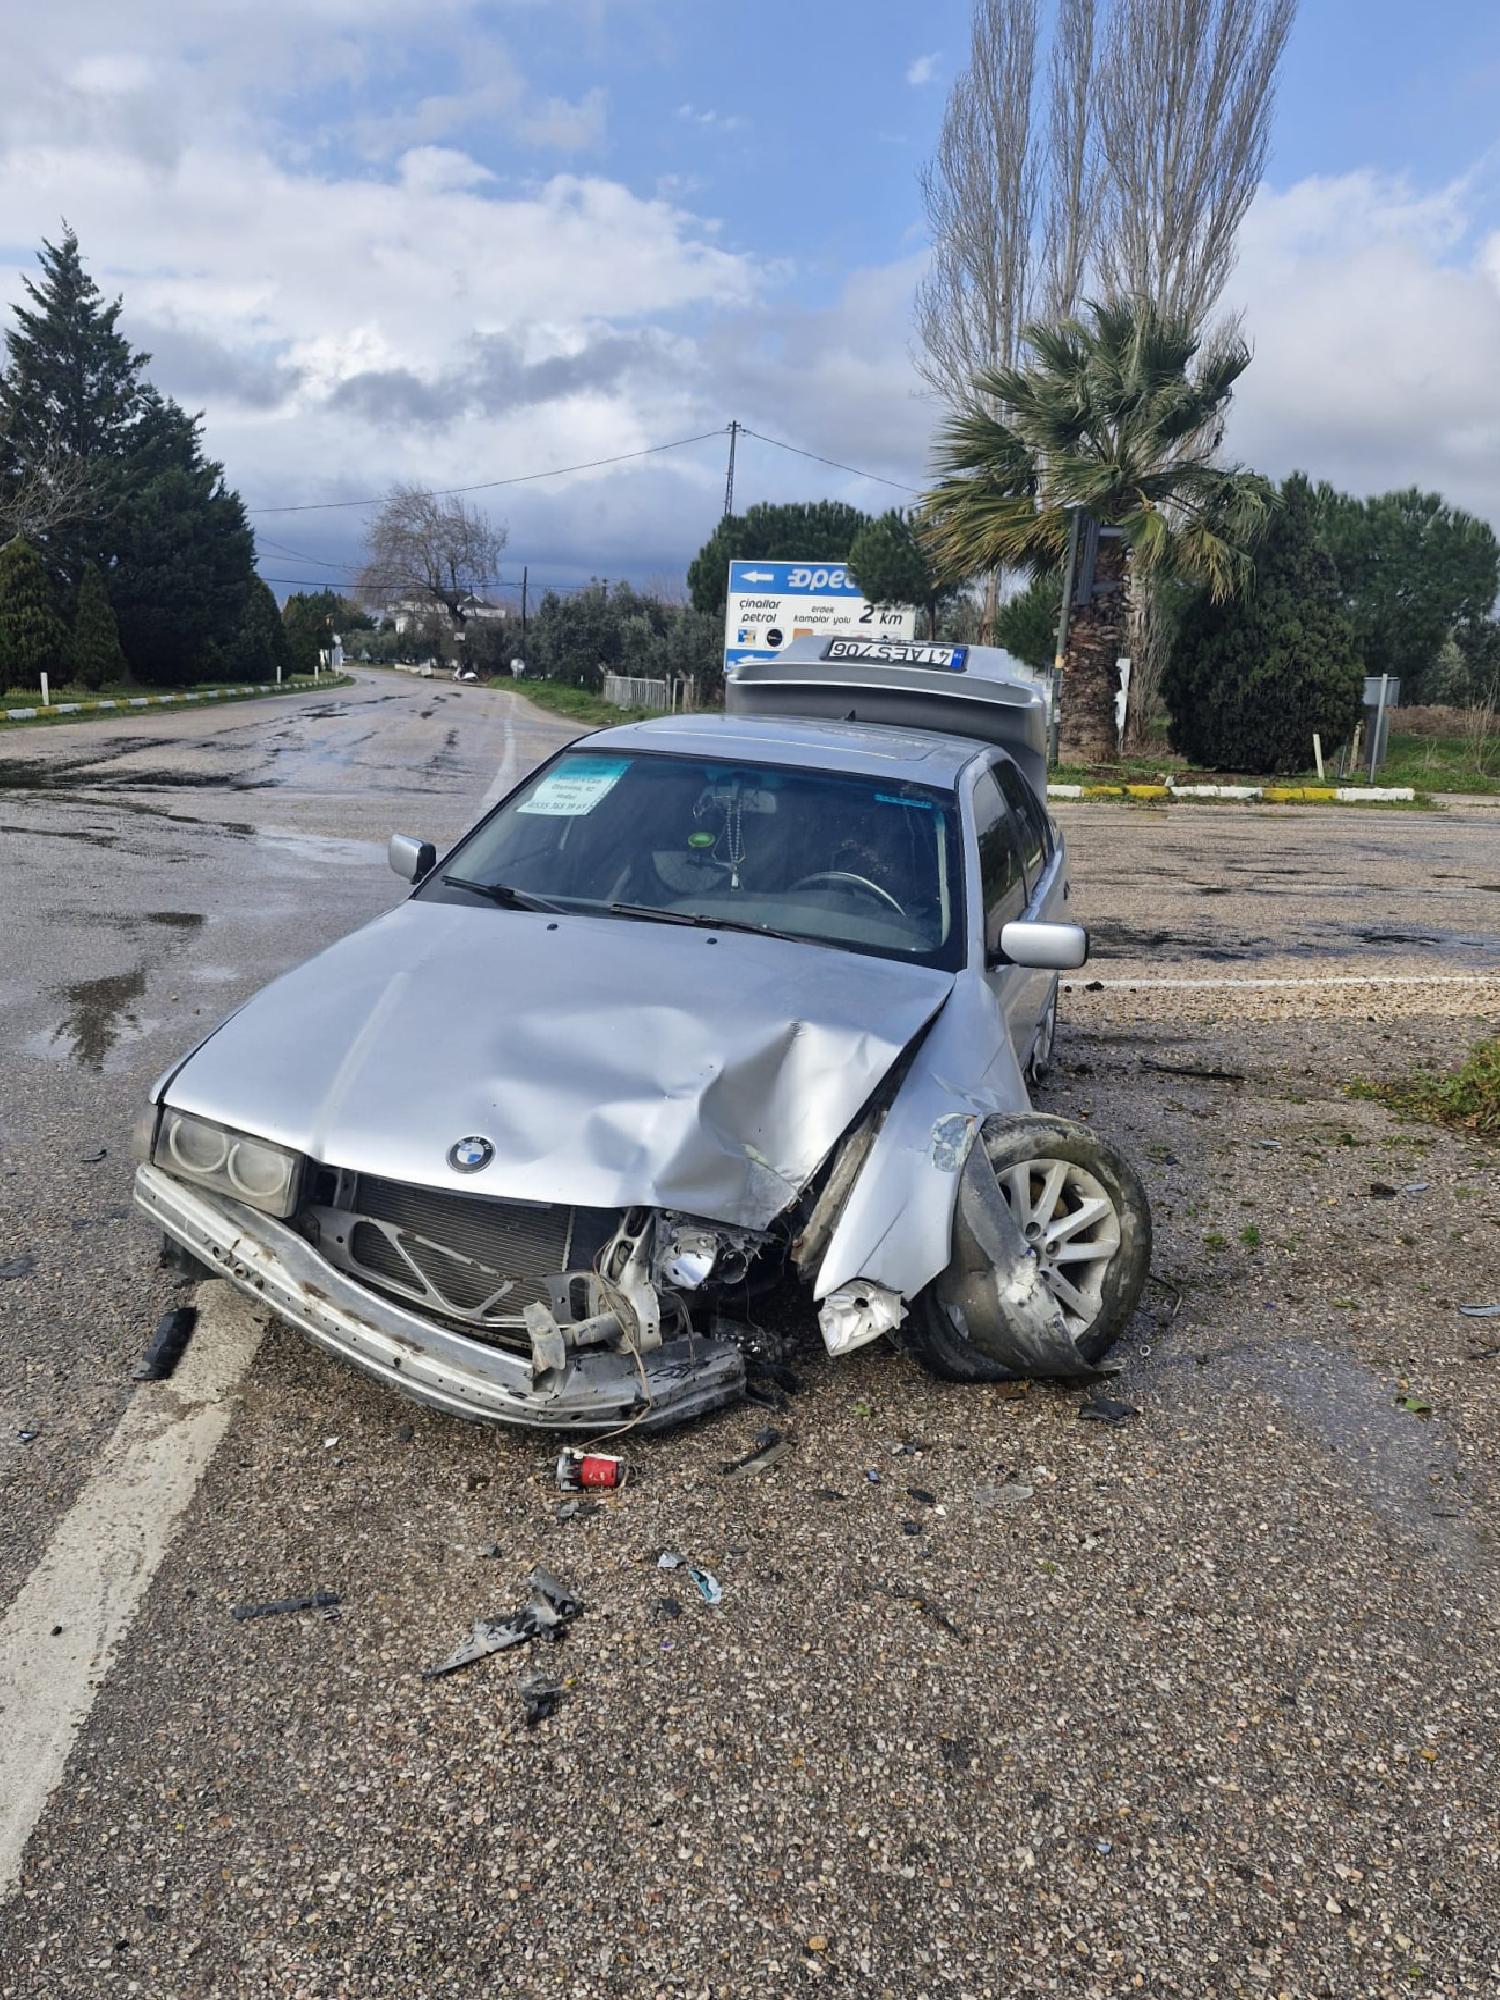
x: 771, y: 603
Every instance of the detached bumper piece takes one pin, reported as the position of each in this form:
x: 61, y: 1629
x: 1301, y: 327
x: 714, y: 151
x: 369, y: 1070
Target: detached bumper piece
x: 594, y: 1387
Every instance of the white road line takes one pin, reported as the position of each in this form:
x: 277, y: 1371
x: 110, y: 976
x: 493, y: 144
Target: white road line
x: 505, y: 777
x: 100, y: 1562
x: 1333, y: 979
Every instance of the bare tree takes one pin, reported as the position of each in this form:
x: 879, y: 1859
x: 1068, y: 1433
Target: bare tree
x: 1070, y: 218
x: 1184, y: 96
x: 980, y: 194
x: 46, y: 492
x: 430, y: 551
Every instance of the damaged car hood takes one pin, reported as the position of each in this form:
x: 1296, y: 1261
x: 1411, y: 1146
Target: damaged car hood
x: 608, y: 1063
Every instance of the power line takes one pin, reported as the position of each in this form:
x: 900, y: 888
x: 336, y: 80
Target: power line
x: 488, y: 485
x: 837, y: 464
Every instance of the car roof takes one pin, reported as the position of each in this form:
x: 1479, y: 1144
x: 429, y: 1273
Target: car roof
x: 924, y: 756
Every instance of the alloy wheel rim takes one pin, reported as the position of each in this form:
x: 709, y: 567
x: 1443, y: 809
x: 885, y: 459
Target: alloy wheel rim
x: 1071, y: 1226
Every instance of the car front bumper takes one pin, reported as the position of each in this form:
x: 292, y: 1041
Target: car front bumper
x: 274, y: 1266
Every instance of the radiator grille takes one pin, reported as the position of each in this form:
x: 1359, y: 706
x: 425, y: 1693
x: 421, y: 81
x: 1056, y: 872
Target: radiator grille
x: 463, y: 1257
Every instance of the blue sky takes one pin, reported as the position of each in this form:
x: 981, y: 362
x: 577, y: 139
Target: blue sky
x: 446, y: 241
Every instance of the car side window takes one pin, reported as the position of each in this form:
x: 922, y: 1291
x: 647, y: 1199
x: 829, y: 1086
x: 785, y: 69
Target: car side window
x: 1036, y: 838
x: 1002, y: 876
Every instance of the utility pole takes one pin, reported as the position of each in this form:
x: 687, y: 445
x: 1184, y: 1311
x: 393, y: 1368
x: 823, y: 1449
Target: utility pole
x: 734, y: 432
x: 524, y: 573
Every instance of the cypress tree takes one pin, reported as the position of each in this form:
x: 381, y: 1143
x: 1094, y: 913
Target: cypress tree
x: 260, y: 644
x: 72, y: 381
x: 1250, y: 680
x: 32, y: 636
x: 95, y: 657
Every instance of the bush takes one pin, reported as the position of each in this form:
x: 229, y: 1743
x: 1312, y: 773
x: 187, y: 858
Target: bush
x: 33, y: 639
x: 1251, y: 680
x: 95, y: 658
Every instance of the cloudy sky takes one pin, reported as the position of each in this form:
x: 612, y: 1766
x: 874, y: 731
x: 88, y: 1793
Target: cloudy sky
x: 451, y: 242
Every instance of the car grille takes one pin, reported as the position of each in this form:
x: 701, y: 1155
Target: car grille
x: 466, y: 1259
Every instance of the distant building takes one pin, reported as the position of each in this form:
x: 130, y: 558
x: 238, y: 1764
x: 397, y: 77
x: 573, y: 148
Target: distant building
x: 411, y: 614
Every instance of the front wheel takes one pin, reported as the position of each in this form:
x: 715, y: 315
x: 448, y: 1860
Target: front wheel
x: 1081, y: 1209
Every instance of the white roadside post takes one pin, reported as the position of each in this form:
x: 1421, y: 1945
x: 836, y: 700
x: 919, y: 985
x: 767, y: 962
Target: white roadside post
x: 1318, y: 754
x: 46, y: 693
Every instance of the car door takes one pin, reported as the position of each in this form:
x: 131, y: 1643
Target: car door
x: 1003, y: 894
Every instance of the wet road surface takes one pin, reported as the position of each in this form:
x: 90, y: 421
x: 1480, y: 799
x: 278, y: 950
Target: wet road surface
x: 1222, y: 1710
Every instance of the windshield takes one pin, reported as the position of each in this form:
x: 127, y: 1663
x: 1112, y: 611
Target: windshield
x: 868, y: 864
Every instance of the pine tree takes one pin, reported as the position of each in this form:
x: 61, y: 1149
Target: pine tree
x: 95, y: 658
x: 184, y: 557
x: 32, y: 636
x: 1249, y: 681
x: 72, y: 380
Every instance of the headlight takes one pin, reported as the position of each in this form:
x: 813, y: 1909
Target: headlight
x: 249, y: 1170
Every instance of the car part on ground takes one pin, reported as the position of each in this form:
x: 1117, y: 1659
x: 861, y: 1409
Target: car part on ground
x: 1052, y: 1247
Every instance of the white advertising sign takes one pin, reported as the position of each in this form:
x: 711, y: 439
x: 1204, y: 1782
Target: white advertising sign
x: 772, y: 603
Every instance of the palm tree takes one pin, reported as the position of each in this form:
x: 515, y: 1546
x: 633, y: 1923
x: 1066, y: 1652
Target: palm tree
x: 1114, y: 420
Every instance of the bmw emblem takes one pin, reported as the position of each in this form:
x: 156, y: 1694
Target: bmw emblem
x: 470, y: 1154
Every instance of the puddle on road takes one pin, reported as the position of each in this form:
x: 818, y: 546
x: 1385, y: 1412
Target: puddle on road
x: 100, y: 1012
x: 62, y: 833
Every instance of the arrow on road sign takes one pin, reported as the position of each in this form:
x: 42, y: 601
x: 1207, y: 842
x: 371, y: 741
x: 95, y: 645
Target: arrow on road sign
x: 760, y: 576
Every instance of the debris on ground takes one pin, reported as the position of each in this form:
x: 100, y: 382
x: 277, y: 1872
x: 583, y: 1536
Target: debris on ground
x: 1469, y: 1312
x: 669, y: 1607
x: 542, y: 1698
x: 911, y: 1595
x: 769, y: 1448
x: 1105, y: 1410
x: 1415, y: 1187
x: 1415, y: 1406
x: 1187, y: 1069
x: 93, y: 1159
x: 1005, y: 1493
x: 546, y: 1614
x: 167, y: 1345
x: 576, y: 1469
x: 921, y: 1494
x: 27, y: 1437
x: 709, y: 1587
x: 912, y: 1528
x: 17, y: 1267
x: 320, y: 1600
x: 872, y: 1473
x: 1382, y: 1191
x: 578, y: 1510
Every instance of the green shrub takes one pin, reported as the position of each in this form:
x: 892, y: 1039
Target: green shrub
x: 1250, y: 680
x: 33, y: 639
x: 95, y: 657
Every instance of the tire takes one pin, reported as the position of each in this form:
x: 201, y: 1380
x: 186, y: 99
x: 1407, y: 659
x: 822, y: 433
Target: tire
x: 1115, y: 1278
x: 1039, y: 1062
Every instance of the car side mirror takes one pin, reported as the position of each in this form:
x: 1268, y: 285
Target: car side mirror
x: 1047, y: 947
x: 411, y: 858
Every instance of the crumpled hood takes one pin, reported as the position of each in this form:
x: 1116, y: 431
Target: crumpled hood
x: 610, y: 1063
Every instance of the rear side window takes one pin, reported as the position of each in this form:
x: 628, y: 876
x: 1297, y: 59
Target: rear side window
x: 1002, y: 875
x: 1031, y: 821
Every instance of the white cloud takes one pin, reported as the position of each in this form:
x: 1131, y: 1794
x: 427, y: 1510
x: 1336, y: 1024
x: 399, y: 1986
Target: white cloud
x: 1374, y: 313
x: 719, y: 121
x: 922, y: 69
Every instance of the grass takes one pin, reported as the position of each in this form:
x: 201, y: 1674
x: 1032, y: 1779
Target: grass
x: 229, y: 690
x: 1428, y: 763
x: 1467, y: 1098
x: 564, y: 699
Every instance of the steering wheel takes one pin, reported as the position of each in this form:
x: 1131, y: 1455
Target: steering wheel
x: 859, y: 882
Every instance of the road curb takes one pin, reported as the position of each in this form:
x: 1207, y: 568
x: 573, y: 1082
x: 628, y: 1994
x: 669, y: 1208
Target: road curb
x: 1299, y: 795
x: 86, y: 711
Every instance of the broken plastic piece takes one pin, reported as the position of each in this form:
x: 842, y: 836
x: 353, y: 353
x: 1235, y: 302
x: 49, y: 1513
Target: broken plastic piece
x: 709, y: 1587
x: 17, y: 1267
x: 542, y: 1699
x: 546, y: 1614
x: 167, y: 1345
x: 770, y: 1446
x: 1105, y: 1410
x: 578, y: 1510
x: 1480, y: 1312
x: 320, y: 1600
x: 858, y: 1313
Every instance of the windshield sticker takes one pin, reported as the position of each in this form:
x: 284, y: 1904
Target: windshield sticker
x: 576, y: 787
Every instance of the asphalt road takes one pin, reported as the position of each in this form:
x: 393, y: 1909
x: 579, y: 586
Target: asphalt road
x: 1220, y: 1713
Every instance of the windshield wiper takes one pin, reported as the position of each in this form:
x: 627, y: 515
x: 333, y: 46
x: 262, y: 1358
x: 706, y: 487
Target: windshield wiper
x: 649, y: 913
x: 501, y: 893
